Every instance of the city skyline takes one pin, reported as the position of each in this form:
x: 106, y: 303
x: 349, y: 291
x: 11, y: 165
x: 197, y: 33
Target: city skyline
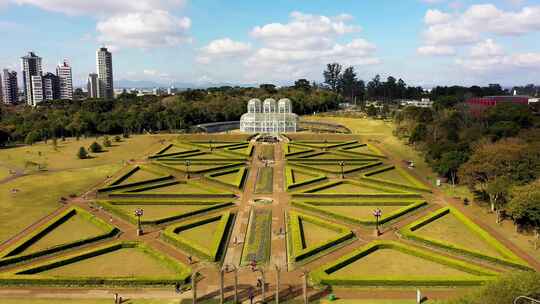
x: 436, y: 42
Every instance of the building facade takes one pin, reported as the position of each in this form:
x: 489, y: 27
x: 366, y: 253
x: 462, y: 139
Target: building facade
x: 105, y: 85
x: 31, y: 67
x: 269, y: 117
x: 51, y: 87
x: 10, y: 87
x: 65, y: 80
x: 477, y: 105
x: 37, y: 90
x: 92, y: 85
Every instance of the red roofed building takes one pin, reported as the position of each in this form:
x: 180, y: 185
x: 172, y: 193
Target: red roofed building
x: 478, y: 105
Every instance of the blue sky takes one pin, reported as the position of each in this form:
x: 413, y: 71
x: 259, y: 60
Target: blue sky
x: 425, y: 42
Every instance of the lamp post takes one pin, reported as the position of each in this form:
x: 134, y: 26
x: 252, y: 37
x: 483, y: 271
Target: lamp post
x: 342, y: 164
x: 188, y: 163
x: 194, y: 285
x: 138, y: 213
x: 263, y: 287
x: 305, y: 286
x: 277, y: 283
x: 377, y: 213
x: 211, y: 147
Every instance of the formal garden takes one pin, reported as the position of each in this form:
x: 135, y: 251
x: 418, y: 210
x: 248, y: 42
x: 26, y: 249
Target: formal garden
x: 194, y: 209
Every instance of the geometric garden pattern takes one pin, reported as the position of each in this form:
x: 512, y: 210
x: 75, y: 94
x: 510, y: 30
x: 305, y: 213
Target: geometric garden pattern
x: 187, y: 196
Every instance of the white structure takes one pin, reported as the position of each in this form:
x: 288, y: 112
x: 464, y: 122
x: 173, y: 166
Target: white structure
x: 37, y: 90
x: 31, y: 66
x: 65, y: 80
x: 269, y: 117
x: 92, y: 85
x: 105, y: 86
x: 424, y: 103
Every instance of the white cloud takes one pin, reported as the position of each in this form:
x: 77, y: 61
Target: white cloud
x: 468, y: 27
x: 302, y: 46
x: 488, y: 56
x: 155, y: 28
x: 100, y: 7
x: 223, y: 48
x: 434, y: 50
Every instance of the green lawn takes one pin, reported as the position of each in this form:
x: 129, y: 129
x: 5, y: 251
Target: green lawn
x: 388, y: 262
x: 349, y: 188
x: 450, y: 229
x: 65, y: 157
x: 179, y: 189
x: 392, y: 175
x: 315, y: 234
x: 74, y: 229
x: 360, y: 212
x: 154, y: 212
x: 202, y: 234
x: 258, y: 237
x: 265, y: 180
x: 139, y: 176
x: 125, y: 262
x: 38, y: 195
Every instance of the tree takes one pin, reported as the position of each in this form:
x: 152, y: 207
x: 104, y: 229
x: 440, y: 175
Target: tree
x: 117, y: 138
x: 95, y: 147
x: 349, y: 85
x: 302, y: 84
x: 332, y: 76
x: 32, y: 137
x: 107, y: 141
x: 269, y: 88
x: 524, y: 206
x: 82, y: 154
x: 371, y: 111
x: 449, y: 164
x: 504, y: 290
x: 497, y: 189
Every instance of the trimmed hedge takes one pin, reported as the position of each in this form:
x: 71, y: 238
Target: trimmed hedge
x: 30, y: 275
x: 313, y: 166
x: 329, y: 144
x: 376, y: 152
x: 359, y: 184
x: 510, y: 259
x: 116, y: 184
x: 299, y: 252
x: 416, y: 185
x: 323, y: 275
x: 15, y: 253
x: 138, y: 192
x: 129, y: 216
x: 291, y: 182
x: 238, y: 182
x: 170, y: 165
x: 211, y: 254
x: 314, y: 206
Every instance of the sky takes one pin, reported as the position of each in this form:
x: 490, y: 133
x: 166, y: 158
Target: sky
x: 424, y: 42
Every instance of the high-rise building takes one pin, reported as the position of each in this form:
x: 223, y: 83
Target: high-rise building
x: 105, y: 84
x: 65, y: 78
x: 10, y: 88
x: 92, y: 85
x: 31, y: 66
x: 51, y: 87
x: 36, y: 83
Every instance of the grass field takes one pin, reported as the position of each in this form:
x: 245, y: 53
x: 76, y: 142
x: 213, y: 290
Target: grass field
x: 179, y: 189
x: 349, y: 188
x: 395, y: 263
x: 450, y: 229
x: 315, y: 234
x: 154, y: 212
x: 265, y: 180
x: 74, y: 229
x: 38, y: 195
x: 65, y: 157
x: 126, y: 262
x: 202, y: 234
x: 360, y: 212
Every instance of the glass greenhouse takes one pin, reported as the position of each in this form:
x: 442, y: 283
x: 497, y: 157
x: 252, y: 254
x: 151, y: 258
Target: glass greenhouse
x: 269, y: 117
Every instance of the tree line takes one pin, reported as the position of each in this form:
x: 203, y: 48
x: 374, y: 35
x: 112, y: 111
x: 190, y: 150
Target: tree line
x: 129, y: 113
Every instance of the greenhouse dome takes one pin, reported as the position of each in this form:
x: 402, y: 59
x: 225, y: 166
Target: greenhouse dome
x: 269, y: 117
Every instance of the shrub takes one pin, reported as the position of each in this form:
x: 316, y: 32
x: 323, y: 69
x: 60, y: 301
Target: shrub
x: 95, y: 147
x: 125, y: 135
x: 107, y: 142
x: 82, y: 154
x: 117, y: 138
